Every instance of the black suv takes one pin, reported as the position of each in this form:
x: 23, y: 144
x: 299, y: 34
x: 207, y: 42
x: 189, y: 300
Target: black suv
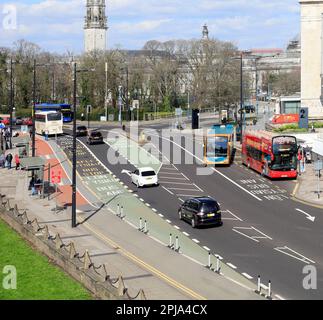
x: 81, y: 131
x: 201, y: 211
x: 94, y: 137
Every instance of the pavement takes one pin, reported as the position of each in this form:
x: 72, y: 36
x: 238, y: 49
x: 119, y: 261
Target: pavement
x: 121, y: 247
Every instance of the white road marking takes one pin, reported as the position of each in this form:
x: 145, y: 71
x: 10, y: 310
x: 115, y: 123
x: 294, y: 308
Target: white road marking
x: 171, y: 173
x: 141, y: 199
x: 264, y: 235
x: 185, y: 176
x: 198, y: 187
x: 162, y: 216
x: 148, y: 205
x: 206, y: 248
x: 218, y: 256
x: 193, y: 190
x: 308, y: 216
x: 168, y: 221
x: 296, y: 255
x: 162, y: 177
x: 177, y: 183
x: 231, y: 265
x: 196, y: 241
x: 176, y: 227
x: 168, y: 190
x: 235, y: 217
x: 153, y: 209
x: 186, y: 234
x: 187, y: 195
x: 243, y: 234
x: 217, y: 171
x: 247, y: 276
x: 279, y: 297
x: 180, y: 199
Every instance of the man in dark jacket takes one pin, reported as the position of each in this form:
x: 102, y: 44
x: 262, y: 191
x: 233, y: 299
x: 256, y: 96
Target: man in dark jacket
x: 9, y: 158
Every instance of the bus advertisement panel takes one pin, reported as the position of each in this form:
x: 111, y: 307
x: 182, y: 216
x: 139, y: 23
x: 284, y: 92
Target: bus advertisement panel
x: 272, y: 155
x: 218, y: 145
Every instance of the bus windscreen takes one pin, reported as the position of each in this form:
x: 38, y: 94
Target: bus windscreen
x: 217, y: 147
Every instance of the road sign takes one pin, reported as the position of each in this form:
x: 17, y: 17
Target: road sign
x: 318, y: 165
x: 88, y: 109
x: 303, y: 118
x: 56, y: 176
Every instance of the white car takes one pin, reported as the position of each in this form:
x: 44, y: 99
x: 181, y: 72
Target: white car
x: 144, y: 177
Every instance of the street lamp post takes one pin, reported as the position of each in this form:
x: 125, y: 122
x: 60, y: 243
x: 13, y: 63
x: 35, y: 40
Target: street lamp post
x: 106, y: 92
x: 241, y: 95
x: 74, y: 147
x: 74, y: 151
x: 33, y: 112
x: 120, y: 104
x: 11, y: 101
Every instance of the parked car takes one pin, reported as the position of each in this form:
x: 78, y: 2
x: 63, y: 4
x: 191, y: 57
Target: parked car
x: 201, y: 211
x: 27, y: 121
x: 144, y: 177
x: 81, y: 131
x: 19, y: 121
x: 6, y: 121
x: 94, y: 137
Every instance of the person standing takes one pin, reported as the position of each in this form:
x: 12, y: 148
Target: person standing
x: 9, y: 160
x: 17, y: 161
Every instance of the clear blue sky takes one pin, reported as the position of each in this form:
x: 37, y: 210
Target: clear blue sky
x: 57, y: 25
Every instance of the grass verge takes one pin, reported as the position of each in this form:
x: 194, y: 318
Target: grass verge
x: 37, y: 278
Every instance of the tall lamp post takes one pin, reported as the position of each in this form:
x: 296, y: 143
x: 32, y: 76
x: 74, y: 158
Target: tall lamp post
x: 11, y: 100
x: 241, y: 95
x: 74, y: 161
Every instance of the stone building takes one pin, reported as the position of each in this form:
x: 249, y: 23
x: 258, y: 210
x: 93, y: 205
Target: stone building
x: 312, y: 56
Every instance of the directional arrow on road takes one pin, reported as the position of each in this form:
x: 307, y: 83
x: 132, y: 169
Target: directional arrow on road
x: 308, y: 216
x: 126, y: 172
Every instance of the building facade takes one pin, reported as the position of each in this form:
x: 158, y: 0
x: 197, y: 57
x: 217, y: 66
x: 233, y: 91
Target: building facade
x: 311, y: 51
x: 95, y: 27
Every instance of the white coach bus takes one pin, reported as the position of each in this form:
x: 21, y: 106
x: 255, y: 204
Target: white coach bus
x: 50, y: 122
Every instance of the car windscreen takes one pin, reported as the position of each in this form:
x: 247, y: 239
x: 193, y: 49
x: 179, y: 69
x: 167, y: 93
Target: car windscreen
x: 96, y: 134
x: 148, y: 173
x: 54, y: 117
x: 211, y: 206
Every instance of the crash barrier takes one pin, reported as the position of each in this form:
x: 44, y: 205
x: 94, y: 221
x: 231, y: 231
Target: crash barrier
x: 95, y: 278
x: 267, y: 289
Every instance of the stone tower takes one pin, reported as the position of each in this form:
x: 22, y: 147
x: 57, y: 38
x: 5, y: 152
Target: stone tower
x: 95, y: 28
x: 312, y: 56
x: 205, y: 33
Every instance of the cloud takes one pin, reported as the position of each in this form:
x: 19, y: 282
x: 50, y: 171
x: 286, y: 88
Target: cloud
x: 250, y: 23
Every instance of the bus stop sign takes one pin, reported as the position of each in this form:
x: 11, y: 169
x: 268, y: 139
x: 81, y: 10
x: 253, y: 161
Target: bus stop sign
x: 303, y: 118
x: 318, y: 165
x: 56, y: 176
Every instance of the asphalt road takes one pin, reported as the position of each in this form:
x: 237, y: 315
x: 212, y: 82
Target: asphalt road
x: 264, y: 232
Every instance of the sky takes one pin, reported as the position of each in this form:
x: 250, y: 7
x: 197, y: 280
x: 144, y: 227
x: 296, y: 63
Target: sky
x: 57, y: 25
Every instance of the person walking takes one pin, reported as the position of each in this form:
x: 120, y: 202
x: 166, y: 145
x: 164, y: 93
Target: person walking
x: 2, y: 160
x: 17, y: 161
x: 9, y: 160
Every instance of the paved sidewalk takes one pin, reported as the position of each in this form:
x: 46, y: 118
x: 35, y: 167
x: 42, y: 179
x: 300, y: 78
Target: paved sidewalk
x: 307, y: 187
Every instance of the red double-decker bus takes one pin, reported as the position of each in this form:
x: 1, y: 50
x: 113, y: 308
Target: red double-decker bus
x: 272, y: 155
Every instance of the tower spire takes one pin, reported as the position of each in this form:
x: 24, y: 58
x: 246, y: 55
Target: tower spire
x: 205, y: 32
x: 95, y: 26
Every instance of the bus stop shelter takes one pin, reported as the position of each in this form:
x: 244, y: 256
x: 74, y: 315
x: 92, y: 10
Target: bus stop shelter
x: 35, y: 164
x: 22, y: 143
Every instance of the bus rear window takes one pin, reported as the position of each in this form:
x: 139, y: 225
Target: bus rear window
x: 54, y: 117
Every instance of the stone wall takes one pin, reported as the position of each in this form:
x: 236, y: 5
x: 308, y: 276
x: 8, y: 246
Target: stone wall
x: 80, y: 267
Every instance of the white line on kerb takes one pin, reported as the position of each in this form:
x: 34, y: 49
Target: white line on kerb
x: 247, y: 276
x: 153, y: 209
x: 162, y: 216
x: 176, y: 227
x: 231, y: 265
x: 168, y: 221
x: 186, y: 234
x: 279, y: 297
x: 206, y: 248
x: 196, y: 241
